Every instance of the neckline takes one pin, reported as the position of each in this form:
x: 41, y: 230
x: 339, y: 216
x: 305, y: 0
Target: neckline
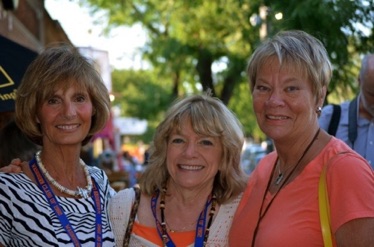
x: 202, y: 226
x: 80, y: 192
x: 262, y: 211
x: 58, y: 210
x: 294, y: 168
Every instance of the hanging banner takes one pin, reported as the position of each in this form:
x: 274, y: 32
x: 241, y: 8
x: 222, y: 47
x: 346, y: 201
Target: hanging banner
x: 14, y: 60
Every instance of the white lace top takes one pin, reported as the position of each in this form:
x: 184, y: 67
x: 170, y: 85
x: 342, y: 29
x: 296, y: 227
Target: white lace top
x: 119, y: 212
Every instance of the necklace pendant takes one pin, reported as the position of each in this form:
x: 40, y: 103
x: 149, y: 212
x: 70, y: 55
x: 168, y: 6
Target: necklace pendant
x: 82, y: 193
x: 85, y: 193
x: 279, y: 178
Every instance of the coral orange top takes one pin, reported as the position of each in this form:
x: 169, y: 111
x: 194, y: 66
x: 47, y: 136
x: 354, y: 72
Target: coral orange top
x: 151, y: 234
x: 293, y: 217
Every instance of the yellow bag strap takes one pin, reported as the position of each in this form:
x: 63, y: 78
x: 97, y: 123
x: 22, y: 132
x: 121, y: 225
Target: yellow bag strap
x: 324, y: 209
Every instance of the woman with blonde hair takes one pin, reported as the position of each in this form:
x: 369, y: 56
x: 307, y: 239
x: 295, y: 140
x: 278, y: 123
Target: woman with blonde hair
x: 289, y: 75
x: 192, y: 184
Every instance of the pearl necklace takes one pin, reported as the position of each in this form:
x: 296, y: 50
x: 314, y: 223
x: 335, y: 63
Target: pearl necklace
x: 80, y: 192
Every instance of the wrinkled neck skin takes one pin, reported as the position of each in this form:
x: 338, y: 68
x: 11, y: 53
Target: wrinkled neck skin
x: 63, y: 165
x: 186, y: 196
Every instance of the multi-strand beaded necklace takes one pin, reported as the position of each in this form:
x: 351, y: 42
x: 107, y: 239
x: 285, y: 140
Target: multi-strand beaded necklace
x: 200, y: 240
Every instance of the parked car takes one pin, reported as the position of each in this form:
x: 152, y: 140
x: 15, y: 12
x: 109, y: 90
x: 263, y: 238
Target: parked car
x: 251, y: 155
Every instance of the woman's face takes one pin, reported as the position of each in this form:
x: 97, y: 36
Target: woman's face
x: 193, y: 160
x: 283, y: 101
x: 65, y: 118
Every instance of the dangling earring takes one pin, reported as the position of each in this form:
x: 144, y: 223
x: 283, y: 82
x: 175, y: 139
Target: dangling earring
x: 319, y: 110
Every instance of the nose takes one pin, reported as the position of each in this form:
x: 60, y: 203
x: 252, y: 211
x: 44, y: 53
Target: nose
x: 275, y: 99
x: 190, y: 149
x: 69, y: 110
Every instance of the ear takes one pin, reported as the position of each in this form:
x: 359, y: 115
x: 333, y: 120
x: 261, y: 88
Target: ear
x: 322, y: 96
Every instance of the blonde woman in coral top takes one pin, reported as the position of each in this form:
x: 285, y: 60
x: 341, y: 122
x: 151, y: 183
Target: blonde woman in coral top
x: 289, y: 75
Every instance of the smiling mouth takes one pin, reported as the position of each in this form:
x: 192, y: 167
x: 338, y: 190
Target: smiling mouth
x: 67, y: 127
x: 276, y: 117
x: 191, y: 167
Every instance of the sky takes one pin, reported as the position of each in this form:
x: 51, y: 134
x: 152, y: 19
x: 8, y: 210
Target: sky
x: 122, y: 43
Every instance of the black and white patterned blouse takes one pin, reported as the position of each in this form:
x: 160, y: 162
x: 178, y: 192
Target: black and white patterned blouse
x: 26, y: 218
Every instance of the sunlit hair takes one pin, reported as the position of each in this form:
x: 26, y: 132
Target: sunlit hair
x: 208, y: 117
x: 59, y: 67
x: 297, y: 50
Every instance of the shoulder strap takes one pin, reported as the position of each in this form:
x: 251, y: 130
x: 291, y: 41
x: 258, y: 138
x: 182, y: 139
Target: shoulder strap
x: 352, y: 120
x: 324, y: 209
x: 324, y: 205
x: 130, y: 223
x: 335, y: 119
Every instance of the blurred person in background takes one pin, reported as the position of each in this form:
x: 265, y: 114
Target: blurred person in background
x: 106, y: 161
x: 193, y: 181
x: 289, y: 75
x: 87, y: 154
x: 58, y: 200
x: 130, y: 165
x: 353, y: 121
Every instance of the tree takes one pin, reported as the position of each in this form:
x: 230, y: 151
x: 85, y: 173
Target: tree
x: 345, y: 27
x: 142, y: 94
x: 189, y: 39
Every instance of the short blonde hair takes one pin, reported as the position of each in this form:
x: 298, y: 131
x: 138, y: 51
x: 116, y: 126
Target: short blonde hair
x: 296, y: 49
x: 210, y: 117
x: 59, y: 66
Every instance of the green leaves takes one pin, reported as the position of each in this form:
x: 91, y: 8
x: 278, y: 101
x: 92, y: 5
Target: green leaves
x: 188, y: 38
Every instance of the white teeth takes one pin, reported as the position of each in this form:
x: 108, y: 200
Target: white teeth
x: 189, y: 167
x: 277, y: 117
x: 67, y: 127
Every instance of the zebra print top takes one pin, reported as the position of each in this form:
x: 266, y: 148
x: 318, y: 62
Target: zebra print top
x: 26, y: 218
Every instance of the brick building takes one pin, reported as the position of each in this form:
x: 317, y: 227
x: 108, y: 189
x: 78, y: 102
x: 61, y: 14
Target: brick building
x: 28, y: 23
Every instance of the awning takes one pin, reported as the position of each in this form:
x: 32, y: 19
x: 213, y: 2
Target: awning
x: 14, y: 60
